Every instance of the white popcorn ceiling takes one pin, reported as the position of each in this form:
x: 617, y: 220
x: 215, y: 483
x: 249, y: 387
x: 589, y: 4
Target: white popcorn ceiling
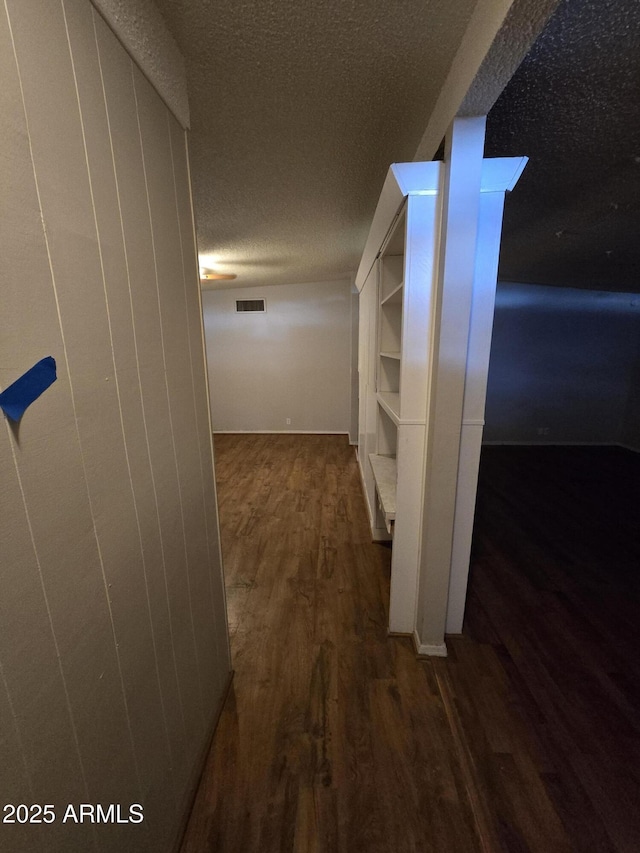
x: 142, y: 30
x: 573, y: 107
x: 297, y: 110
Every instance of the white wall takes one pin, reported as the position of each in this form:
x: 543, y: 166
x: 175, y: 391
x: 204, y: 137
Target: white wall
x: 294, y: 361
x: 564, y: 366
x: 113, y: 640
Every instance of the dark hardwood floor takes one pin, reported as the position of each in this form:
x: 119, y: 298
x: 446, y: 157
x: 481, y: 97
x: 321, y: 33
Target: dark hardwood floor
x: 555, y: 593
x: 334, y: 737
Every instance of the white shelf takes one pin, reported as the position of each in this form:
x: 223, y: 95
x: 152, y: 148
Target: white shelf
x: 385, y: 474
x: 395, y: 355
x: 395, y: 296
x: 391, y: 404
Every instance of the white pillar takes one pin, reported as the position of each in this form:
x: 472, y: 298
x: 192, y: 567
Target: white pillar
x: 461, y: 203
x: 498, y: 176
x: 475, y: 392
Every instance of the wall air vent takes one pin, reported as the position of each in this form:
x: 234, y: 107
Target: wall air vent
x: 245, y: 306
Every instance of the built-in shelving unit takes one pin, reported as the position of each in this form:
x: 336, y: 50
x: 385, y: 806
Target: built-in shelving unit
x: 397, y: 283
x: 388, y: 368
x: 390, y: 296
x: 426, y: 281
x: 390, y: 403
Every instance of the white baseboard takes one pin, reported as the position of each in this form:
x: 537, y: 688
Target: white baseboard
x: 279, y: 432
x: 437, y: 650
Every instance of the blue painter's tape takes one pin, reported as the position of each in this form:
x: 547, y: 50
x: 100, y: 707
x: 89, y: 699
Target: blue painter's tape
x: 15, y: 399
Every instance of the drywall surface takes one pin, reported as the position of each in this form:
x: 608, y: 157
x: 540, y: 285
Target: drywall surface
x: 142, y: 30
x: 292, y: 362
x: 563, y: 366
x: 113, y: 639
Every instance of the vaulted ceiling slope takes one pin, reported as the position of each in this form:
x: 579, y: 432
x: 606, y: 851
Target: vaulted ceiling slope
x: 573, y: 107
x: 297, y: 109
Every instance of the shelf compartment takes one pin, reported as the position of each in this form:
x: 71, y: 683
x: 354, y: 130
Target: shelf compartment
x: 391, y: 404
x: 391, y: 327
x: 385, y: 474
x: 394, y: 296
x: 392, y: 275
x: 396, y: 241
x: 389, y: 375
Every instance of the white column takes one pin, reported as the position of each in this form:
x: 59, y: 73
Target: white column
x: 463, y: 175
x: 475, y: 392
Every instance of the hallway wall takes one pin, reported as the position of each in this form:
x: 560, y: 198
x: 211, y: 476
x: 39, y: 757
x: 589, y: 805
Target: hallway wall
x: 113, y: 639
x: 293, y: 361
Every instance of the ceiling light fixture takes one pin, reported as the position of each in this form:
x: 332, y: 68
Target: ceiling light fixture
x: 209, y: 275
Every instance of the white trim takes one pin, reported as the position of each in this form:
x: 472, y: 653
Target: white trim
x: 280, y: 432
x: 417, y: 178
x: 461, y: 220
x: 402, y: 179
x: 500, y: 174
x: 473, y: 407
x: 436, y: 650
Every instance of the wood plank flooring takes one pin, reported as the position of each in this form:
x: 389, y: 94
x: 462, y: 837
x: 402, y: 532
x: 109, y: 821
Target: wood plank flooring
x: 334, y: 737
x: 555, y: 593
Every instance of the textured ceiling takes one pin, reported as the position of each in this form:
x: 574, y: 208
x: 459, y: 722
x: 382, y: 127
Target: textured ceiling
x: 521, y: 26
x: 573, y: 107
x: 297, y: 110
x: 141, y: 29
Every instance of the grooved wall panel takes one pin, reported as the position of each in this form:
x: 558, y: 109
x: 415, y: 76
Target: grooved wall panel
x: 156, y: 143
x: 29, y: 657
x: 113, y: 640
x: 14, y: 765
x: 198, y: 371
x: 119, y: 80
x: 132, y: 259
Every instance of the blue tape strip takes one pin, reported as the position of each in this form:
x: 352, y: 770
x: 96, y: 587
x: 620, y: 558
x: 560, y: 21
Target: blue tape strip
x: 16, y: 399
